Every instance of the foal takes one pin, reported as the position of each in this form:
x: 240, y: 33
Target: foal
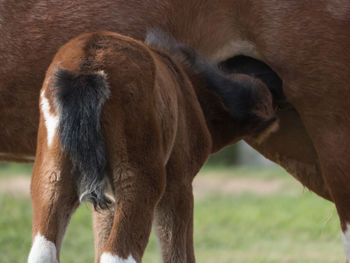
x: 122, y: 115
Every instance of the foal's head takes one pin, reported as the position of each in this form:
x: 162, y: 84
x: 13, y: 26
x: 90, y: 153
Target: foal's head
x: 235, y: 105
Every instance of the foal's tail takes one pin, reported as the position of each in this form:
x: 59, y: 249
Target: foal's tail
x: 79, y: 98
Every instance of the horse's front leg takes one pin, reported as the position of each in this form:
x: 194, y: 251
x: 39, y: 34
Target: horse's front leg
x: 174, y: 214
x: 174, y: 224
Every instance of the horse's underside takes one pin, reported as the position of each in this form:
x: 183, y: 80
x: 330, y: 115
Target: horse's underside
x: 26, y: 55
x: 306, y: 44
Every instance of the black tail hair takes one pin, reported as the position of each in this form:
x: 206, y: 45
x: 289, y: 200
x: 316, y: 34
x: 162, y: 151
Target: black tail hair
x: 79, y: 98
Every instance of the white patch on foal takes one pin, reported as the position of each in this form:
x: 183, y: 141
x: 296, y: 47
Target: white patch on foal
x: 346, y: 241
x: 51, y: 121
x: 43, y: 251
x: 109, y: 258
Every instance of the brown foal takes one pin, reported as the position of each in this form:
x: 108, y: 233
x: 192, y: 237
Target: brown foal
x: 117, y: 113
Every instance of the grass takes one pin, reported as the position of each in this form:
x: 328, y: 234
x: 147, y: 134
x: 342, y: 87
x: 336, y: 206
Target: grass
x: 245, y: 228
x: 245, y: 172
x: 13, y: 169
x: 276, y: 228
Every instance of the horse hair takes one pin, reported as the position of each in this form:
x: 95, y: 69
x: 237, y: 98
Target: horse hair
x: 79, y: 99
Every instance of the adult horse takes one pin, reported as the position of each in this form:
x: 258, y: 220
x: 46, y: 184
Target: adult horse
x: 305, y: 43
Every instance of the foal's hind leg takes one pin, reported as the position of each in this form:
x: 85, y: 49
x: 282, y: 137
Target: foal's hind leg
x: 102, y: 224
x: 54, y: 200
x: 174, y: 225
x: 137, y: 163
x: 137, y: 193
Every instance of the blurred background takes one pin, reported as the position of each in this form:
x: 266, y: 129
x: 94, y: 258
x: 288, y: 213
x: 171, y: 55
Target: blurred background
x: 247, y: 209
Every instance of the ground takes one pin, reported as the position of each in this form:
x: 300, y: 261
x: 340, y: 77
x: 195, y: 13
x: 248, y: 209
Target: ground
x: 242, y: 215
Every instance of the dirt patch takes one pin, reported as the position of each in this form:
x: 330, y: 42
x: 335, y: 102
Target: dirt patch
x: 203, y: 185
x: 206, y: 185
x: 18, y: 185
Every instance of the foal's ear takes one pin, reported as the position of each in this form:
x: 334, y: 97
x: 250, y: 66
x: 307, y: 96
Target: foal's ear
x: 250, y: 102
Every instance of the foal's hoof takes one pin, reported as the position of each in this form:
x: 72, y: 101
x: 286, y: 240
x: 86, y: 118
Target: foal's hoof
x: 43, y: 251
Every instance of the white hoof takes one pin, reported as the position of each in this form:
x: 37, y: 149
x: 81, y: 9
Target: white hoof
x: 109, y: 258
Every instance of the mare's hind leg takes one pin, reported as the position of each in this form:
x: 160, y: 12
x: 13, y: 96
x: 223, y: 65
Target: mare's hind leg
x: 332, y: 143
x: 54, y: 200
x: 328, y: 124
x: 174, y: 219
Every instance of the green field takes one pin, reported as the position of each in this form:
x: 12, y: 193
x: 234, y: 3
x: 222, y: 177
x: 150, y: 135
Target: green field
x: 241, y: 215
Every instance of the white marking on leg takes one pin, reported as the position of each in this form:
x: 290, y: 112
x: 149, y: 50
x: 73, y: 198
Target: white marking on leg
x: 110, y: 258
x: 345, y: 236
x: 43, y: 251
x: 51, y: 121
